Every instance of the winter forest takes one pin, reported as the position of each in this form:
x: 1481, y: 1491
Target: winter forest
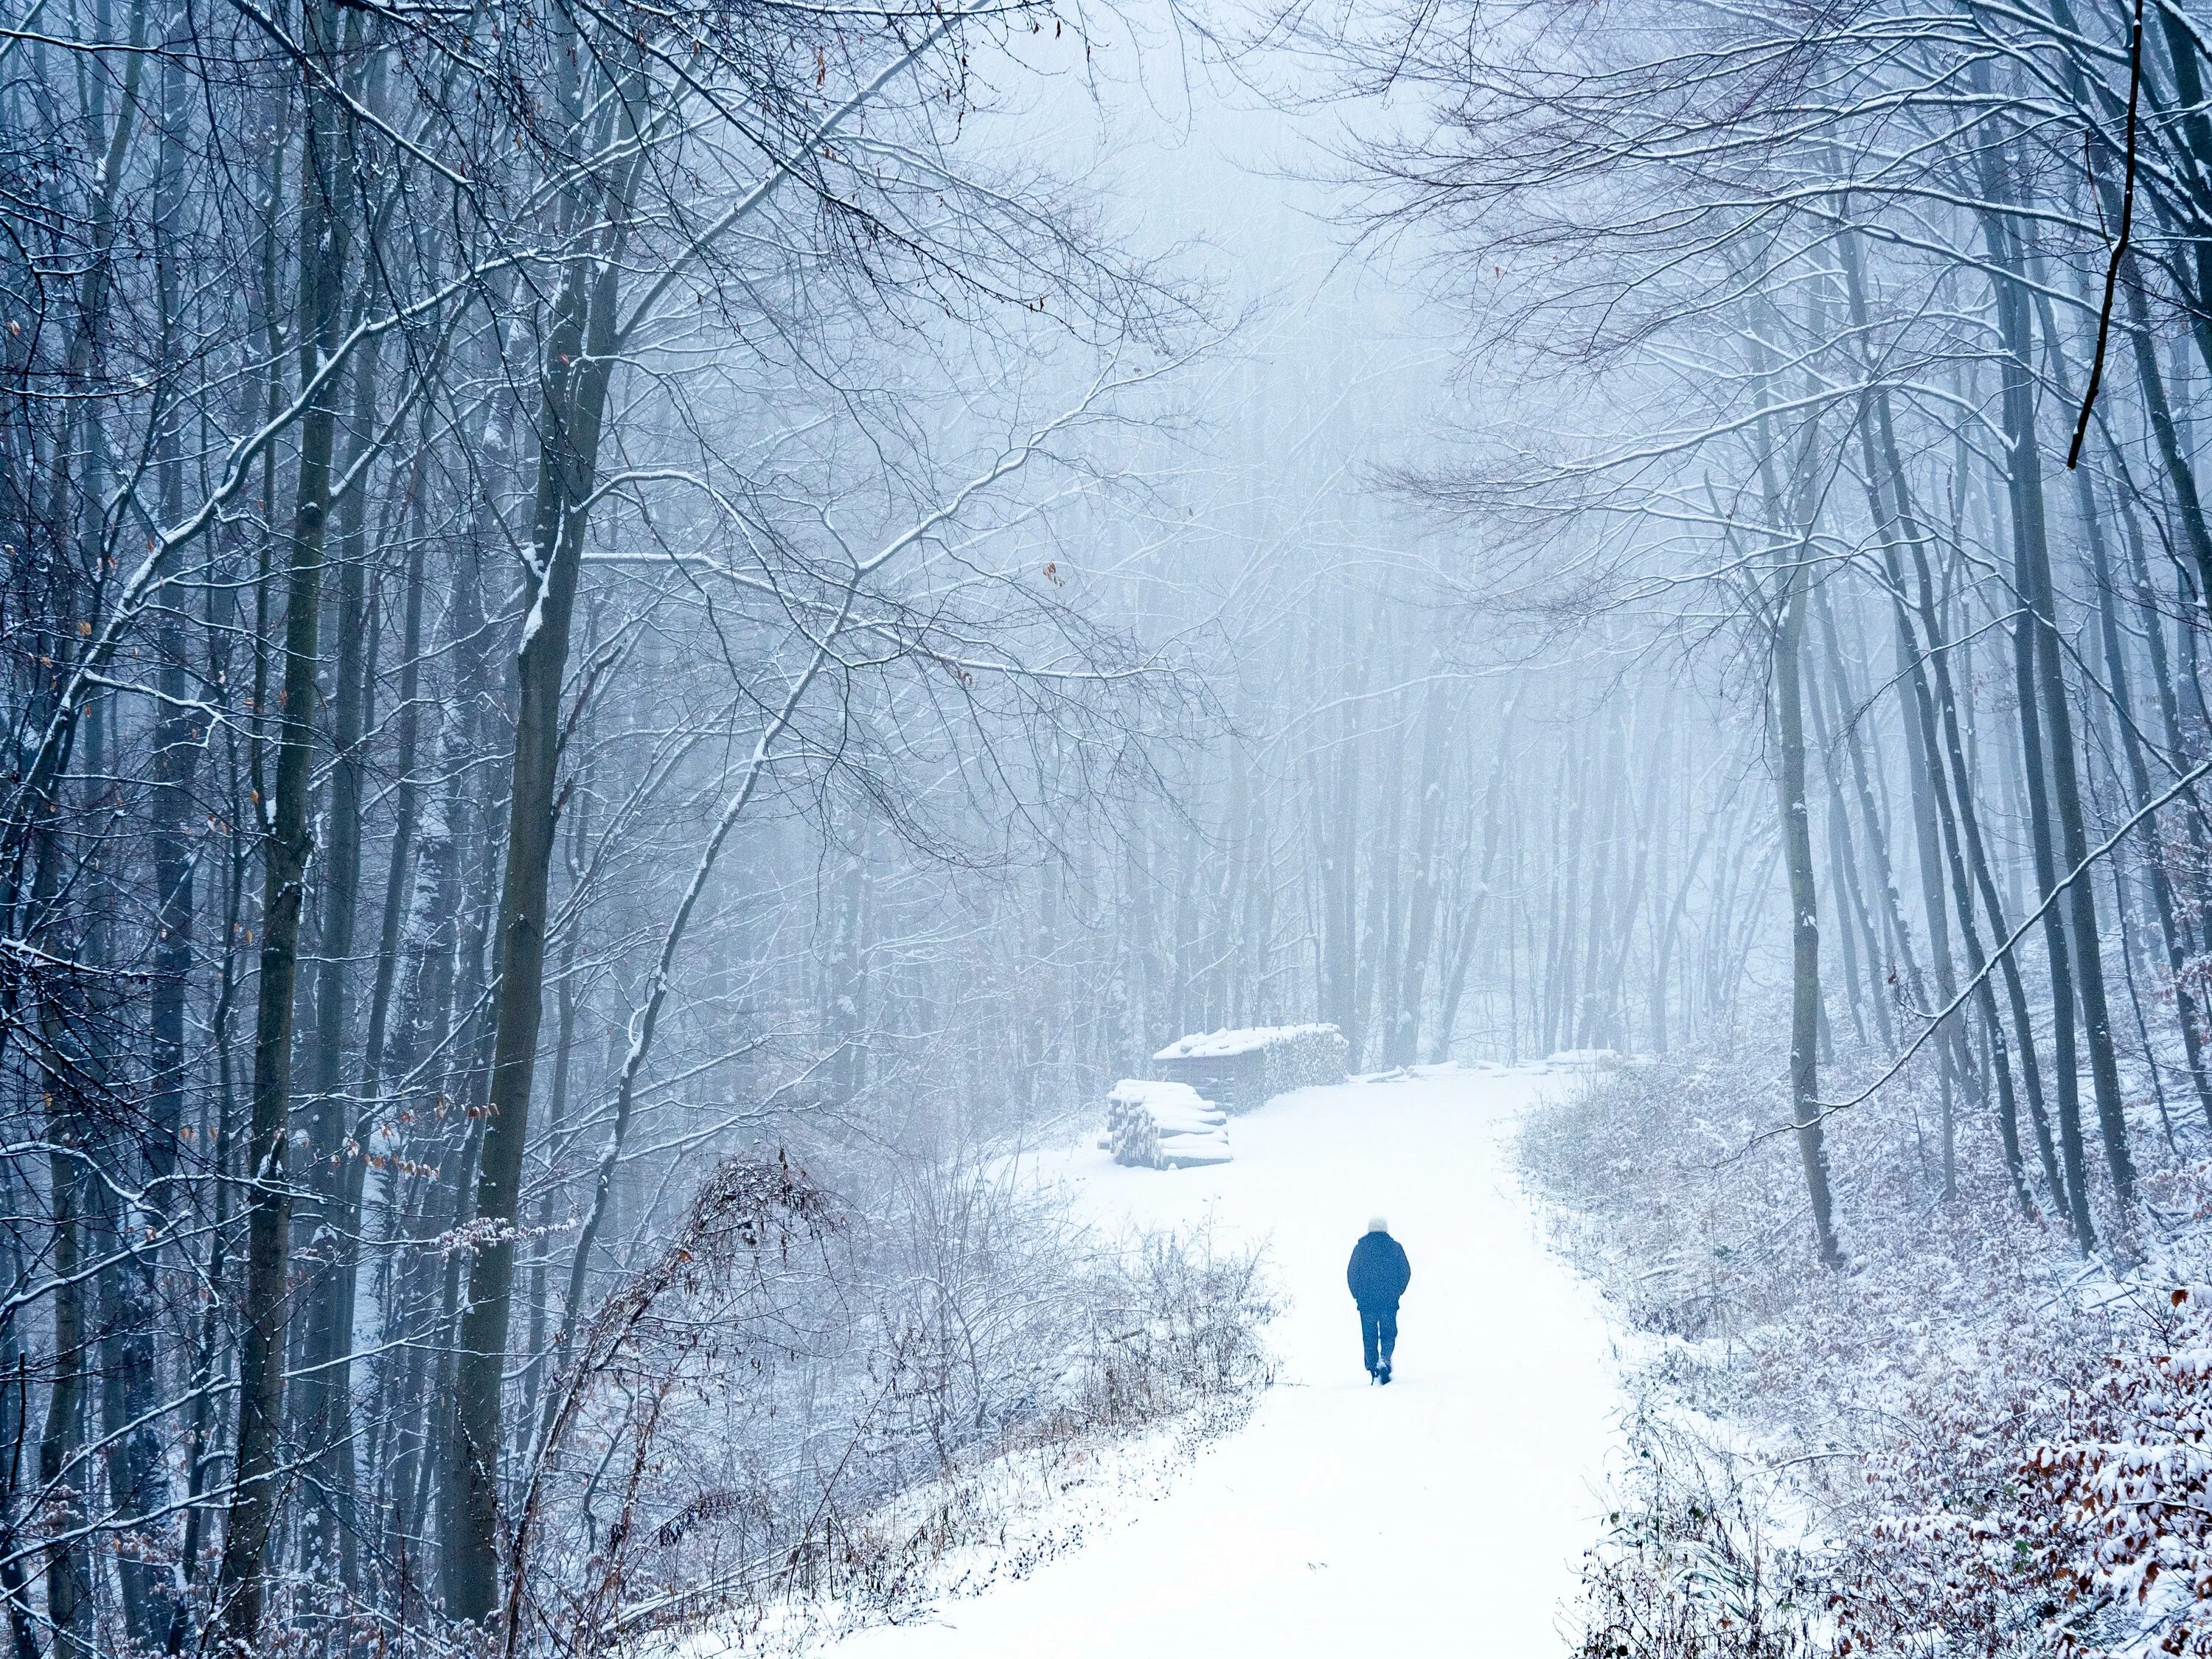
x: 653, y: 650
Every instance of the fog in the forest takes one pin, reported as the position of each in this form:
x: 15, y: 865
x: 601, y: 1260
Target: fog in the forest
x: 654, y: 654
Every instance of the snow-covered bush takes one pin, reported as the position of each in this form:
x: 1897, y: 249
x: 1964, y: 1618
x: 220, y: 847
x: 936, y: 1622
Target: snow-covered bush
x: 1177, y: 1323
x: 1971, y: 1441
x: 1157, y: 1125
x: 1686, y: 1569
x: 2126, y: 1493
x: 748, y: 1416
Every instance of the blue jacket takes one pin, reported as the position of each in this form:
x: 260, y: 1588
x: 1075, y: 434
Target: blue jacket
x: 1378, y: 1272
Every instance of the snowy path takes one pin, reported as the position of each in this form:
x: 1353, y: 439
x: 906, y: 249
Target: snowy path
x: 1445, y: 1513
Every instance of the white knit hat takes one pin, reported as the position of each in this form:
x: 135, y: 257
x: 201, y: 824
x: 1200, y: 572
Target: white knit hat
x: 1377, y: 1224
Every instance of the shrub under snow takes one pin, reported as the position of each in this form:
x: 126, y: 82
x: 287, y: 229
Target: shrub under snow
x: 805, y: 1397
x: 1971, y: 1441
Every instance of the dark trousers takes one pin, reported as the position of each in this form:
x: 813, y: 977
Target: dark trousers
x: 1378, y: 1331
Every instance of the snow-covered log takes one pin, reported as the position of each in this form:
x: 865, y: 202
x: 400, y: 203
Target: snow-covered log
x: 1584, y: 1059
x: 1241, y: 1070
x: 1158, y: 1125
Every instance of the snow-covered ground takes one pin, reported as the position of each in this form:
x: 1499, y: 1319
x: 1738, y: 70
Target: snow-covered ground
x: 1446, y: 1513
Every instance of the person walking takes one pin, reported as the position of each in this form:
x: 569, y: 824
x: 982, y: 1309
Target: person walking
x: 1378, y: 1275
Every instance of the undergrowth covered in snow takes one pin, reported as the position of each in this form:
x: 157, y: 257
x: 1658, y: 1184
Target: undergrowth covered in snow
x: 1013, y: 1387
x: 1969, y: 1441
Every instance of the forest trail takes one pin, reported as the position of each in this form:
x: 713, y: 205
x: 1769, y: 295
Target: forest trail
x: 1445, y: 1513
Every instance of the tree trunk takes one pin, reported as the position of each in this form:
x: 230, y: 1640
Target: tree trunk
x: 1477, y: 904
x: 61, y: 1480
x: 1805, y: 925
x: 326, y: 223
x: 2187, y: 1013
x: 577, y: 367
x: 2032, y: 559
x: 325, y: 1405
x: 1404, y: 1034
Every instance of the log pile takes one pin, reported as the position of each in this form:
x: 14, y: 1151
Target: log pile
x: 1155, y: 1125
x: 1243, y: 1070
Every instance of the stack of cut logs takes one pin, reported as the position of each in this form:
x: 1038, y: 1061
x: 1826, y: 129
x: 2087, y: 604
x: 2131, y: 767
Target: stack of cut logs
x: 1165, y: 1126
